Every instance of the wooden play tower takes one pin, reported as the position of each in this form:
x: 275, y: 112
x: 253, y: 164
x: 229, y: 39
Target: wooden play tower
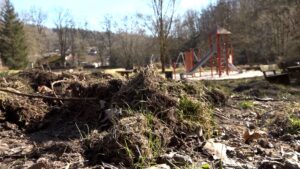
x: 224, y: 50
x: 219, y: 55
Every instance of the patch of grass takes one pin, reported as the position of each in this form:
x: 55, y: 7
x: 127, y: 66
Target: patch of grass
x: 195, y: 166
x: 294, y: 124
x: 154, y: 142
x: 223, y: 86
x: 83, y: 135
x: 246, y: 105
x: 128, y: 150
x: 189, y: 88
x: 205, y: 166
x: 189, y: 109
x: 197, y: 114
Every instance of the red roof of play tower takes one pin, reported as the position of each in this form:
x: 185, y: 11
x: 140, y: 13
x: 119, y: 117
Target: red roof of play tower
x: 220, y: 31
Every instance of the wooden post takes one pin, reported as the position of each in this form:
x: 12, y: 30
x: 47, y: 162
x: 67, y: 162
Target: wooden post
x: 227, y: 54
x: 211, y: 57
x: 186, y: 61
x: 174, y: 70
x: 192, y: 59
x: 232, y: 55
x: 199, y: 58
x: 218, y: 55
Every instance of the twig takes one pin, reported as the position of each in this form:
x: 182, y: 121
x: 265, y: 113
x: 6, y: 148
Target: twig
x: 57, y: 82
x: 269, y: 100
x: 260, y: 99
x: 49, y: 97
x: 221, y: 116
x: 52, y: 87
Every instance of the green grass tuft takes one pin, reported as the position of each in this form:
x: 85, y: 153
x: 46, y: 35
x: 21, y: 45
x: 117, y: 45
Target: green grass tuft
x: 196, y: 114
x: 246, y: 105
x: 294, y: 123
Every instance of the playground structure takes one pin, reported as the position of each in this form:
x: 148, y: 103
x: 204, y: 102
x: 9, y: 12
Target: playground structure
x: 220, y: 55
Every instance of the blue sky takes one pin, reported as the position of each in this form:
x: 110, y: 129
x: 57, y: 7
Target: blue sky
x: 93, y: 11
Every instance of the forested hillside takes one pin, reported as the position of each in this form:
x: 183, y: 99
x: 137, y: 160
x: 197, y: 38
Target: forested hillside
x: 263, y: 31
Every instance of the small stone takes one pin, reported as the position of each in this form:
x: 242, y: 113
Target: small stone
x: 248, y: 166
x: 216, y: 150
x: 225, y: 137
x: 250, y: 135
x: 251, y: 126
x: 178, y: 159
x: 271, y: 165
x: 10, y: 126
x: 28, y: 164
x: 240, y: 154
x: 160, y: 166
x: 182, y: 159
x: 250, y: 158
x: 39, y: 165
x: 287, y: 137
x: 292, y: 164
x: 297, y: 147
x: 230, y: 153
x: 265, y: 143
x: 259, y: 151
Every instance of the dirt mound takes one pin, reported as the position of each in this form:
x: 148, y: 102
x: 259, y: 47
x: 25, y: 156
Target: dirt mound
x: 31, y: 114
x: 100, y: 89
x: 144, y: 91
x: 38, y: 78
x: 134, y: 139
x: 26, y: 113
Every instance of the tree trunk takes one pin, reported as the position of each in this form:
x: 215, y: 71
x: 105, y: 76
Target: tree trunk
x: 162, y: 59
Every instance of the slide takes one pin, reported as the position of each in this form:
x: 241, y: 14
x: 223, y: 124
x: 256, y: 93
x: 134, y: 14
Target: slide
x: 201, y: 62
x: 232, y: 67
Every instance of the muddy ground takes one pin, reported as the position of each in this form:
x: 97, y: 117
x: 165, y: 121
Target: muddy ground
x: 50, y: 120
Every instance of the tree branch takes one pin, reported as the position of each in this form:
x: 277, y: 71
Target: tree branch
x: 48, y: 97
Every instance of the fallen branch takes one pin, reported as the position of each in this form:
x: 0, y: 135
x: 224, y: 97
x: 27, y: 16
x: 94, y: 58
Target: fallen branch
x: 48, y: 97
x: 260, y: 99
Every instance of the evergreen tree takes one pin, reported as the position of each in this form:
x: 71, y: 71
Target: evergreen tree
x: 12, y: 38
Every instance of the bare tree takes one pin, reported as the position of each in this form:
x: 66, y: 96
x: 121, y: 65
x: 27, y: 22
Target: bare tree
x: 99, y: 41
x: 133, y: 46
x: 163, y: 19
x: 72, y: 35
x: 108, y: 32
x: 63, y: 24
x: 38, y: 18
x: 83, y: 39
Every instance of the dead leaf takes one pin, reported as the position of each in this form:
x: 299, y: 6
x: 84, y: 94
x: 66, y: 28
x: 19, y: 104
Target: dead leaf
x: 249, y: 135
